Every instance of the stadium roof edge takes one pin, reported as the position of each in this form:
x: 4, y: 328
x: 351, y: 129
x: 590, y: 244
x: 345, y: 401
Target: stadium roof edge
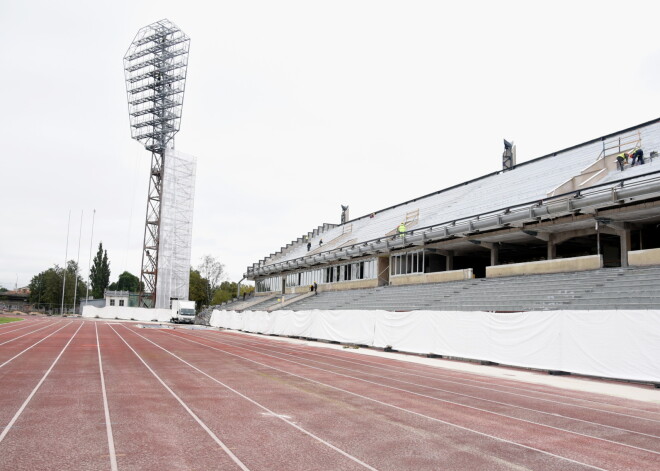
x: 552, y: 154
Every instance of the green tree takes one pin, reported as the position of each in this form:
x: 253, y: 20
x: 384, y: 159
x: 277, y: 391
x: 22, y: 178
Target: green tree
x: 227, y: 291
x: 100, y: 273
x: 198, y: 289
x: 46, y: 287
x: 126, y: 282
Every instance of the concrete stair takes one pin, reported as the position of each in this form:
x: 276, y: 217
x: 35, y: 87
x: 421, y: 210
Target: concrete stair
x: 609, y: 288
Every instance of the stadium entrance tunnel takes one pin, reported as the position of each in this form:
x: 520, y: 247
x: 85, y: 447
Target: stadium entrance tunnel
x: 610, y: 248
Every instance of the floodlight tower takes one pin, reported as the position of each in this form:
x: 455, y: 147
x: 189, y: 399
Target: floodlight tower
x: 155, y: 68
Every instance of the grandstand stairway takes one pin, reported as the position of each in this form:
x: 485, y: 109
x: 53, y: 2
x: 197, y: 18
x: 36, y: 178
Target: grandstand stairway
x: 604, y: 289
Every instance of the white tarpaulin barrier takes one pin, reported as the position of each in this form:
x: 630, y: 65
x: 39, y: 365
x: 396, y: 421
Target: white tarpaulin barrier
x: 128, y: 313
x: 176, y: 216
x: 613, y: 344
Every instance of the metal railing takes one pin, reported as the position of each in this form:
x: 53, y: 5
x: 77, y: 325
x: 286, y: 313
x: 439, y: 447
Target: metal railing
x: 618, y: 144
x: 604, y: 194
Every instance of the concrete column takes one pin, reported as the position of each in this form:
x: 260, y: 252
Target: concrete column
x: 494, y: 255
x: 625, y: 237
x: 552, y: 248
x: 449, y: 258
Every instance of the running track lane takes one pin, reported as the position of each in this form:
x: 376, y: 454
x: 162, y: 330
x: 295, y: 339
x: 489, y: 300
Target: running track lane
x: 151, y: 429
x: 518, y: 388
x: 262, y: 439
x: 67, y: 408
x: 509, y: 386
x: 312, y: 424
x: 572, y: 445
x: 384, y: 435
x: 631, y: 427
x: 19, y: 377
x: 16, y: 349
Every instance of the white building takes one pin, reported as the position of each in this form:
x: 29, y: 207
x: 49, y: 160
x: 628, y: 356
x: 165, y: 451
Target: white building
x: 116, y: 298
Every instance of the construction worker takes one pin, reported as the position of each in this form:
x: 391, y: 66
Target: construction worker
x: 620, y: 159
x: 637, y: 157
x: 402, y: 230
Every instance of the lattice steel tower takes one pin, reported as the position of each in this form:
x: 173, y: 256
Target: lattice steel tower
x: 155, y: 69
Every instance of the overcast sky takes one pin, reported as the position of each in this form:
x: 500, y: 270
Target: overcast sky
x: 294, y: 108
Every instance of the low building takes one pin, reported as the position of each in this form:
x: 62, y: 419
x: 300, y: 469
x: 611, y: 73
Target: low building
x: 117, y: 298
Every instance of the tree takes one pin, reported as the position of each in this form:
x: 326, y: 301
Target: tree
x: 198, y: 288
x: 100, y: 273
x: 212, y: 270
x: 46, y: 287
x: 126, y: 282
x: 227, y: 291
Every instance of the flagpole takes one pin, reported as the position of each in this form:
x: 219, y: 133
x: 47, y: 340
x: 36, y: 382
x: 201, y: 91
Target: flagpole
x: 75, y: 277
x: 89, y: 265
x: 66, y: 255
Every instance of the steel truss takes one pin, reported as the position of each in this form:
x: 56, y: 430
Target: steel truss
x: 155, y: 68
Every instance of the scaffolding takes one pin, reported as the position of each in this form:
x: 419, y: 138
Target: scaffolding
x: 175, y: 228
x: 155, y: 68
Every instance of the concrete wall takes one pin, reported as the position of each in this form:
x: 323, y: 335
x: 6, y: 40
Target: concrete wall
x: 641, y: 258
x: 299, y: 289
x: 439, y: 277
x: 560, y: 265
x: 128, y: 313
x: 354, y: 284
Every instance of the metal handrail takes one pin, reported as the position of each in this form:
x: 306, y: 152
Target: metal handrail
x: 483, y: 218
x: 616, y: 143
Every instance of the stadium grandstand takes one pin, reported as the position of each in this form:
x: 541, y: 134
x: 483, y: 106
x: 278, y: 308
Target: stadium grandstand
x: 551, y: 264
x: 566, y: 212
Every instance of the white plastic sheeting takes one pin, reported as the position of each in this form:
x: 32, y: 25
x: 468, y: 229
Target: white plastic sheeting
x: 612, y: 344
x: 127, y: 313
x: 176, y: 215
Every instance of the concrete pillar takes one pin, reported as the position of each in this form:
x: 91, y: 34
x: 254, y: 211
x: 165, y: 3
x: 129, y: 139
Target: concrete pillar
x: 494, y: 255
x: 625, y: 237
x: 552, y: 248
x: 449, y: 258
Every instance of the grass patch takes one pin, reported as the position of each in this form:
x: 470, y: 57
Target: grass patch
x: 6, y: 320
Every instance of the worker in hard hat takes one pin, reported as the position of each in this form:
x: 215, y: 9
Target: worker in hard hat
x: 637, y: 157
x: 620, y: 159
x: 402, y: 230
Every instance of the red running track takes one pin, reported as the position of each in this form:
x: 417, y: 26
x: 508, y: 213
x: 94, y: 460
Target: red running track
x: 87, y: 395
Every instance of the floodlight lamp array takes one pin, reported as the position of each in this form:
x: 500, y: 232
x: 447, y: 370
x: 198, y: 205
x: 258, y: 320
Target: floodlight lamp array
x: 155, y: 68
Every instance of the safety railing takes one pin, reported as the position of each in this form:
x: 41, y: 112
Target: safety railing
x: 598, y: 195
x: 622, y: 143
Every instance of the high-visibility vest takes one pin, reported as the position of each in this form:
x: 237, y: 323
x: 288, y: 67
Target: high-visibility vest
x: 402, y: 228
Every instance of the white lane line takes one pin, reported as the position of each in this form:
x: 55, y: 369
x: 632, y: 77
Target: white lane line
x: 32, y: 332
x: 183, y: 404
x: 261, y: 406
x: 36, y: 388
x: 434, y: 419
x: 10, y: 324
x: 34, y: 345
x: 240, y: 345
x: 106, y: 410
x: 29, y: 324
x: 489, y: 387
